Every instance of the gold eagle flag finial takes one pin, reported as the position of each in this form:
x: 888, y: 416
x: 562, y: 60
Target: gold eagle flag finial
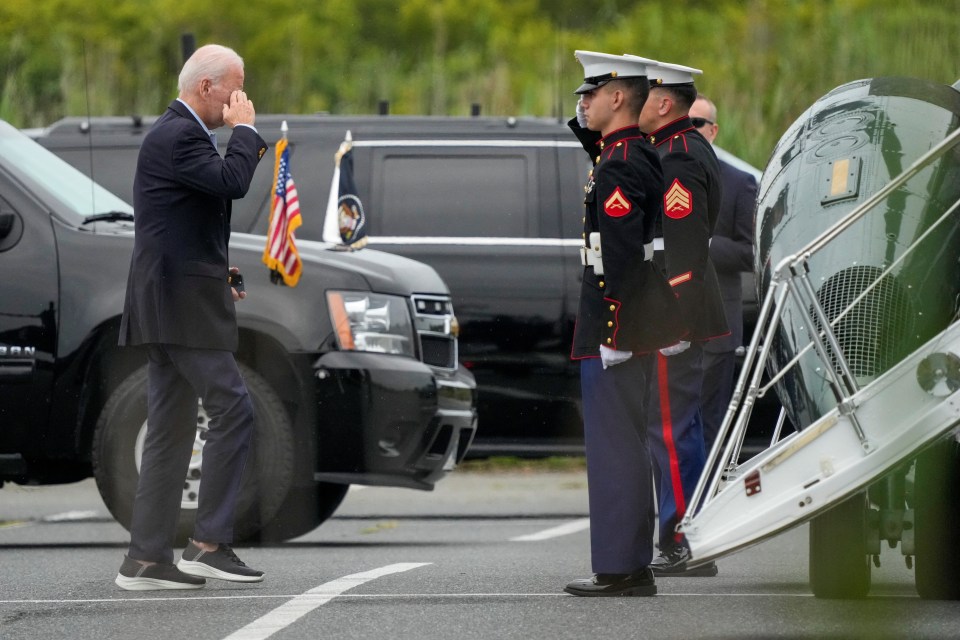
x: 345, y: 147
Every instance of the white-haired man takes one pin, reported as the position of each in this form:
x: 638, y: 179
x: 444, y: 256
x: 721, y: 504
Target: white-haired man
x: 180, y: 307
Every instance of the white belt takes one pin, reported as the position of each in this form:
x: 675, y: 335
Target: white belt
x: 592, y: 256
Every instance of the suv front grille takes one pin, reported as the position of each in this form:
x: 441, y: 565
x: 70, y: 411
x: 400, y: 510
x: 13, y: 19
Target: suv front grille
x: 439, y: 351
x: 433, y: 318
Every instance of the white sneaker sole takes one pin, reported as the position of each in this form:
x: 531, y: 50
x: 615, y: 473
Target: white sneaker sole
x: 204, y: 570
x: 151, y: 584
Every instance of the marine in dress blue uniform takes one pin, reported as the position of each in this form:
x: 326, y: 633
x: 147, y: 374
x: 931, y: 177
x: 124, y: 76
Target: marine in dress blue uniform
x: 691, y: 205
x: 623, y: 316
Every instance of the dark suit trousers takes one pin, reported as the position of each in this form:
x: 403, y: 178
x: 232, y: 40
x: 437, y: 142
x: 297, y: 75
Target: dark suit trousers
x: 176, y: 377
x: 619, y: 478
x: 718, y: 372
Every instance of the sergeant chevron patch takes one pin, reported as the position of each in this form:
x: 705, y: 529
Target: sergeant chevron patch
x: 677, y: 201
x: 617, y: 204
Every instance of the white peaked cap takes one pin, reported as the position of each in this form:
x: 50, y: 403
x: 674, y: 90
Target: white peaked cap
x: 664, y: 74
x: 649, y: 62
x: 601, y: 68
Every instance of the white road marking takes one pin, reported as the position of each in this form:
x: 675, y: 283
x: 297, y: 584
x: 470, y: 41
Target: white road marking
x: 555, y: 532
x: 289, y: 612
x: 68, y: 516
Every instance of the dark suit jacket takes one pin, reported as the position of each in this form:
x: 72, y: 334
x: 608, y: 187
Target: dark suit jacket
x: 731, y: 249
x: 177, y: 291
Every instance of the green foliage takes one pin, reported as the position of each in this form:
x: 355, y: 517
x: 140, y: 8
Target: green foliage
x: 764, y: 61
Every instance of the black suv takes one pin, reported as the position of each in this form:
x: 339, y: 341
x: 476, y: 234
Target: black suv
x: 395, y: 409
x: 495, y: 205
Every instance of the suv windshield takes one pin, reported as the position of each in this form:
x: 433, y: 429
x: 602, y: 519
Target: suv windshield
x: 74, y: 192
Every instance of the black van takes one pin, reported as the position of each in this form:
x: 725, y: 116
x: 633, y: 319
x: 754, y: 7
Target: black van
x: 493, y: 204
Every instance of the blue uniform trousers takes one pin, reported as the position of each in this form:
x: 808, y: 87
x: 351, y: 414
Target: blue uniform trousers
x: 620, y: 481
x: 176, y: 377
x: 676, y: 435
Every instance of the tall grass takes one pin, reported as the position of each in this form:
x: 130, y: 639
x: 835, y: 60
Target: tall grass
x: 764, y: 61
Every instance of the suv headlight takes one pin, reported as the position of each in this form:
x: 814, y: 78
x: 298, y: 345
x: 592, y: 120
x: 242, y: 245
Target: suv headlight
x: 365, y: 321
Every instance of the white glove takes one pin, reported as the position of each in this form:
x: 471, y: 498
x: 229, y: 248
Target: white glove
x: 674, y: 349
x: 581, y: 116
x: 610, y: 357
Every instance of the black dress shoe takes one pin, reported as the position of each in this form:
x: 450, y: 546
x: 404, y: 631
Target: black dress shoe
x: 615, y: 584
x: 673, y: 562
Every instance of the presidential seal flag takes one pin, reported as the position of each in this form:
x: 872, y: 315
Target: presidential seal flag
x: 280, y: 254
x: 351, y: 218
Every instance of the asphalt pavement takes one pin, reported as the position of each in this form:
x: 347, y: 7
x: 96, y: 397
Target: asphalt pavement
x: 485, y: 555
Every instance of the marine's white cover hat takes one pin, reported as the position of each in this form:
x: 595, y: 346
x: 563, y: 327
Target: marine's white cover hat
x: 665, y: 74
x: 601, y: 68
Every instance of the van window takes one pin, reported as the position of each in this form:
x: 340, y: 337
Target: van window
x: 483, y: 195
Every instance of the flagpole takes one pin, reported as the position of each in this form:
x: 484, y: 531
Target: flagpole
x: 331, y: 227
x: 275, y: 276
x: 345, y: 147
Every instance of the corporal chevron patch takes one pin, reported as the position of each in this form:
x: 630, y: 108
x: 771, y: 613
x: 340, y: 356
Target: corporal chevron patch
x: 677, y: 201
x: 617, y: 204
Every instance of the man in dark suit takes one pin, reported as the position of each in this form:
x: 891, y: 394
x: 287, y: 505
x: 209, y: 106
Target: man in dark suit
x: 691, y: 204
x: 731, y: 251
x: 180, y: 305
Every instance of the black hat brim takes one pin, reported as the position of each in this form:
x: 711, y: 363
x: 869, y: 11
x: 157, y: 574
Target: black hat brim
x: 586, y: 87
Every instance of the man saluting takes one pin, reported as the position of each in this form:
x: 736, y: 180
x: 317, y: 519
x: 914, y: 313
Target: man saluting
x: 691, y: 202
x: 626, y: 311
x: 180, y: 305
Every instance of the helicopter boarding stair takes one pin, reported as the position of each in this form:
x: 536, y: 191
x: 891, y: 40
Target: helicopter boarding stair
x: 872, y: 431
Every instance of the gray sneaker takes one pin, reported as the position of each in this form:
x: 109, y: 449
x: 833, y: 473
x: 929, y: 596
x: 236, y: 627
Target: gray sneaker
x: 222, y: 564
x: 134, y: 576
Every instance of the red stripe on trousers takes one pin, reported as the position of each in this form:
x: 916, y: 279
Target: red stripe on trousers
x: 667, y: 424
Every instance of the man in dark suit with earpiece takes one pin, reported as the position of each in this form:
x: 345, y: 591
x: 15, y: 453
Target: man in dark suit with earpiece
x: 180, y: 306
x: 731, y: 251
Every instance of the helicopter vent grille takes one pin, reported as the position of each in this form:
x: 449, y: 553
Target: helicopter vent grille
x: 874, y: 334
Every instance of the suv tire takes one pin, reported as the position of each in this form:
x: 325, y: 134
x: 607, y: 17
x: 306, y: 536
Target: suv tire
x: 266, y: 479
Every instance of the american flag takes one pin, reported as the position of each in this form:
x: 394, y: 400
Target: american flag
x: 280, y: 254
